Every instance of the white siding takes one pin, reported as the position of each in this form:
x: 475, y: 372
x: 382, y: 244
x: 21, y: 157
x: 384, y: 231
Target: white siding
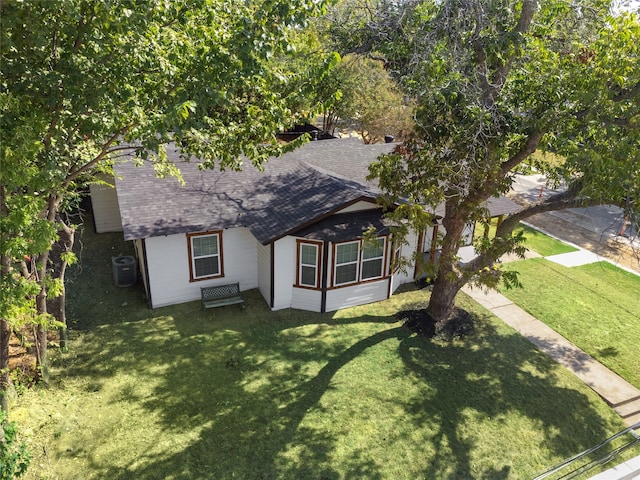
x: 168, y: 264
x: 305, y: 299
x: 104, y: 203
x: 402, y: 277
x: 357, y: 295
x: 285, y: 272
x: 359, y: 206
x: 467, y: 253
x: 264, y: 270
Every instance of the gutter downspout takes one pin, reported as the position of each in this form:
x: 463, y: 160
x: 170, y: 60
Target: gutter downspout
x: 325, y: 276
x: 147, y: 285
x: 272, y: 293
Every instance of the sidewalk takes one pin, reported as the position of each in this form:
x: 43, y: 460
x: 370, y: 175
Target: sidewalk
x: 623, y: 397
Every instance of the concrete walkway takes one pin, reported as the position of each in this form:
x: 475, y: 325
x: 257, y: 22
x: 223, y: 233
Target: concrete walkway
x: 623, y: 397
x: 575, y: 259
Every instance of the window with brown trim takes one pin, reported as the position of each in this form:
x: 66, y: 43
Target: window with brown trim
x: 309, y: 254
x: 205, y: 255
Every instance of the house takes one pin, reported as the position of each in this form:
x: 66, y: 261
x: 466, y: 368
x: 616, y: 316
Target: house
x: 294, y: 231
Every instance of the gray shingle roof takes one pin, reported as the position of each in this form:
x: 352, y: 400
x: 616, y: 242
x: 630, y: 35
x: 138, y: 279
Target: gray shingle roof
x: 292, y: 192
x: 501, y: 206
x: 346, y: 226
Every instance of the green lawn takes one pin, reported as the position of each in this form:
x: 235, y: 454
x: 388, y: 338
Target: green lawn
x: 595, y: 306
x: 178, y: 393
x: 543, y: 244
x: 183, y: 394
x: 534, y: 239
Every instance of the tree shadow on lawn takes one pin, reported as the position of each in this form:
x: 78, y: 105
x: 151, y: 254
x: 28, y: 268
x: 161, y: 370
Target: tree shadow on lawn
x: 243, y: 392
x: 498, y: 379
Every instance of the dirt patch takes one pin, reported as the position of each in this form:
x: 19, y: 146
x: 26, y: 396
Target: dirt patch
x: 459, y: 324
x: 22, y: 357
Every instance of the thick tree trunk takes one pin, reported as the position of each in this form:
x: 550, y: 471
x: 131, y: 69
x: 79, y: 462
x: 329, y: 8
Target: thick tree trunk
x: 6, y: 385
x: 451, y: 278
x: 442, y: 299
x: 447, y: 283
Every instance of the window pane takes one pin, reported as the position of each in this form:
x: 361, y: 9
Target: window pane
x: 373, y: 250
x: 347, y: 253
x: 308, y: 254
x: 206, y: 266
x: 372, y: 268
x: 346, y: 273
x: 308, y: 276
x: 205, y: 245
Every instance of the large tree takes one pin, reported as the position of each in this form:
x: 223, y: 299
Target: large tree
x: 494, y: 82
x: 85, y: 82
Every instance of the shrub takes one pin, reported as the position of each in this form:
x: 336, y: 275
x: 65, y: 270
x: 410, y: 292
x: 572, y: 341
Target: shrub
x: 14, y: 457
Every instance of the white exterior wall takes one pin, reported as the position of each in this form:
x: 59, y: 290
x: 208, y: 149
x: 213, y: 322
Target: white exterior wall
x: 106, y: 210
x: 359, y: 206
x: 401, y: 277
x: 168, y: 264
x: 285, y: 272
x: 306, y: 299
x: 264, y: 270
x: 361, y: 294
x: 467, y: 253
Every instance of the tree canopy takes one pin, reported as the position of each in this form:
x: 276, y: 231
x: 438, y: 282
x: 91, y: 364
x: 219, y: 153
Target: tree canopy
x: 494, y: 82
x: 85, y: 82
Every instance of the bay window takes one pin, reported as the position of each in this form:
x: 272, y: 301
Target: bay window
x: 346, y: 263
x: 359, y: 261
x: 373, y: 259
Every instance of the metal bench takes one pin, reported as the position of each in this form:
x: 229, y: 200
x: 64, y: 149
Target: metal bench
x: 221, y: 295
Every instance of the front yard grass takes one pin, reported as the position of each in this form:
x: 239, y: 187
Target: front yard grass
x: 180, y: 393
x: 281, y: 395
x: 595, y: 306
x: 534, y: 239
x: 543, y: 244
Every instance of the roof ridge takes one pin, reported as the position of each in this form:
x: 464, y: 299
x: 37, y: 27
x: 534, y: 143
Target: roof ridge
x: 348, y: 182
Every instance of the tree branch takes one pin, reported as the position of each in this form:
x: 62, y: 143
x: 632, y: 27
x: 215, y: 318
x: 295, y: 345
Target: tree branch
x: 524, y: 22
x: 568, y: 199
x: 489, y: 186
x: 628, y: 94
x: 530, y: 146
x: 106, y: 149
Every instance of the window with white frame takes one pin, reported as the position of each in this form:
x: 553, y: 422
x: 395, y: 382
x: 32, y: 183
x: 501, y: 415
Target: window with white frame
x: 308, y: 264
x: 347, y: 256
x: 373, y: 259
x: 359, y: 261
x: 205, y: 255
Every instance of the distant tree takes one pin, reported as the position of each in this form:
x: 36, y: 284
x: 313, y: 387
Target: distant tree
x: 370, y: 101
x: 494, y: 82
x: 84, y: 82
